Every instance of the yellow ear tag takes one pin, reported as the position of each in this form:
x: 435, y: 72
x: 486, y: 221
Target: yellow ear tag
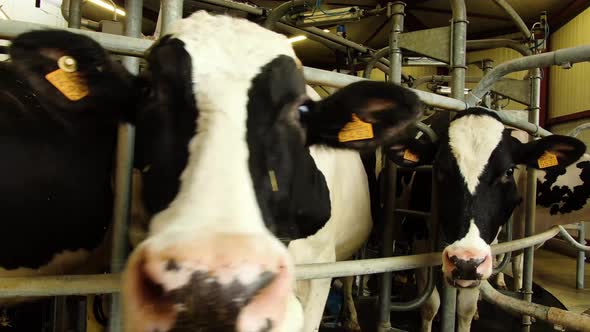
x: 355, y: 130
x: 548, y: 159
x: 409, y: 155
x: 274, y: 184
x: 66, y: 79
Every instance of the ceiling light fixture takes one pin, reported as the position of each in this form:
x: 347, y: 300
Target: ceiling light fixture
x: 296, y: 39
x: 107, y: 6
x: 326, y: 30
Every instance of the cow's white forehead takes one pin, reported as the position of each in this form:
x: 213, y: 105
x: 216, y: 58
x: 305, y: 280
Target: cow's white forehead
x: 227, y: 53
x: 472, y: 139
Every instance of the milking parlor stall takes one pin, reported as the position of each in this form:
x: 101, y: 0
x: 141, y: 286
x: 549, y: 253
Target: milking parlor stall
x: 469, y: 215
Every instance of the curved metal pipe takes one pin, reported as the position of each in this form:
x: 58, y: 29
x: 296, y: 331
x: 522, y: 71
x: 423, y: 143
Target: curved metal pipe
x: 75, y: 14
x: 559, y: 57
x: 376, y: 59
x: 508, y: 255
x: 572, y: 241
x: 576, y: 131
x: 426, y: 130
x: 418, y: 301
x: 279, y: 11
x: 484, y: 44
x: 515, y: 18
x: 371, y: 63
x: 564, y: 318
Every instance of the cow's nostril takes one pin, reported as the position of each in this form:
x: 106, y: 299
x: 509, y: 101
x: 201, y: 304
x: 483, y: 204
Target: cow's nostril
x: 466, y: 269
x: 171, y: 265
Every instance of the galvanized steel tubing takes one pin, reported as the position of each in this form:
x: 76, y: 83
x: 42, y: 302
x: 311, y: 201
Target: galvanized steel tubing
x: 458, y: 69
x: 567, y: 319
x: 123, y: 169
x: 171, y: 11
x: 559, y: 57
x: 75, y: 14
x: 110, y: 283
x: 115, y: 44
x: 515, y: 18
x: 390, y: 171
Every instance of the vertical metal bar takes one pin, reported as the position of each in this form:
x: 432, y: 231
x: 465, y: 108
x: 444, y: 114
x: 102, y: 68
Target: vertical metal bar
x: 124, y: 166
x: 390, y: 173
x: 487, y: 66
x: 82, y: 315
x: 171, y: 11
x: 75, y: 14
x: 581, y: 257
x: 458, y: 68
x: 60, y: 314
x: 531, y: 200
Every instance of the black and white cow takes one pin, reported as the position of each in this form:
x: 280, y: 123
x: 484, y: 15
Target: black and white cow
x: 234, y: 154
x: 57, y: 154
x: 474, y: 163
x: 563, y: 197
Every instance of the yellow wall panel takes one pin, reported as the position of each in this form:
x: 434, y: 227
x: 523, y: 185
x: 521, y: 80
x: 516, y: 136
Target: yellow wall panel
x: 568, y: 89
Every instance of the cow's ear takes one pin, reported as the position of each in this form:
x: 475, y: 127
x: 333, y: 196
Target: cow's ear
x: 362, y: 115
x: 550, y: 151
x: 412, y: 152
x: 70, y: 71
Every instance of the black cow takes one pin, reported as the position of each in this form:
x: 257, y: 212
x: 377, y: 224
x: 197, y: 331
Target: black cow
x: 61, y: 97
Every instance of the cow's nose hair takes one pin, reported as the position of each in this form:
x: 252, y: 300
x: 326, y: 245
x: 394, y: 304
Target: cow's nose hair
x: 466, y: 269
x: 205, y: 302
x: 202, y: 300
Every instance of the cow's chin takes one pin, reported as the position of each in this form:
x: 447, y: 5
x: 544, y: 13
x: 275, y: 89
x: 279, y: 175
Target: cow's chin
x: 458, y: 283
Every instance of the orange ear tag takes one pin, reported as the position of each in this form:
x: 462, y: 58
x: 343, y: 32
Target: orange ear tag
x: 355, y: 130
x: 409, y: 155
x: 548, y: 159
x: 68, y: 83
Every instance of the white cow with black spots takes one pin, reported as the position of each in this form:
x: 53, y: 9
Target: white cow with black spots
x: 234, y: 155
x: 474, y: 163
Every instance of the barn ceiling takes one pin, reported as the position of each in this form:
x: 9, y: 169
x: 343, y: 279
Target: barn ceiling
x: 485, y: 20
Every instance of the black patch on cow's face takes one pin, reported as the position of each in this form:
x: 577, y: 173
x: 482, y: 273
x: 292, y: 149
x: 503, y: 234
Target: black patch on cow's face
x: 494, y: 199
x: 165, y: 123
x: 298, y: 204
x: 563, y: 199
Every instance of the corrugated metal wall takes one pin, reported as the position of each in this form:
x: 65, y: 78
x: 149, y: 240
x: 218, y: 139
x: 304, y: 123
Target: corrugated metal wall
x: 568, y: 89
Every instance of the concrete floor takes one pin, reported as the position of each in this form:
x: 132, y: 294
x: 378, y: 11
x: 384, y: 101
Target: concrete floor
x: 557, y: 274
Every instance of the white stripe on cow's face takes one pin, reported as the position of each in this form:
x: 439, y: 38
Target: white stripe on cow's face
x: 472, y: 139
x: 217, y: 174
x: 471, y: 240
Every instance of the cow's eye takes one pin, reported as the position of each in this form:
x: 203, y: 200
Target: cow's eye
x: 510, y: 171
x: 303, y: 108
